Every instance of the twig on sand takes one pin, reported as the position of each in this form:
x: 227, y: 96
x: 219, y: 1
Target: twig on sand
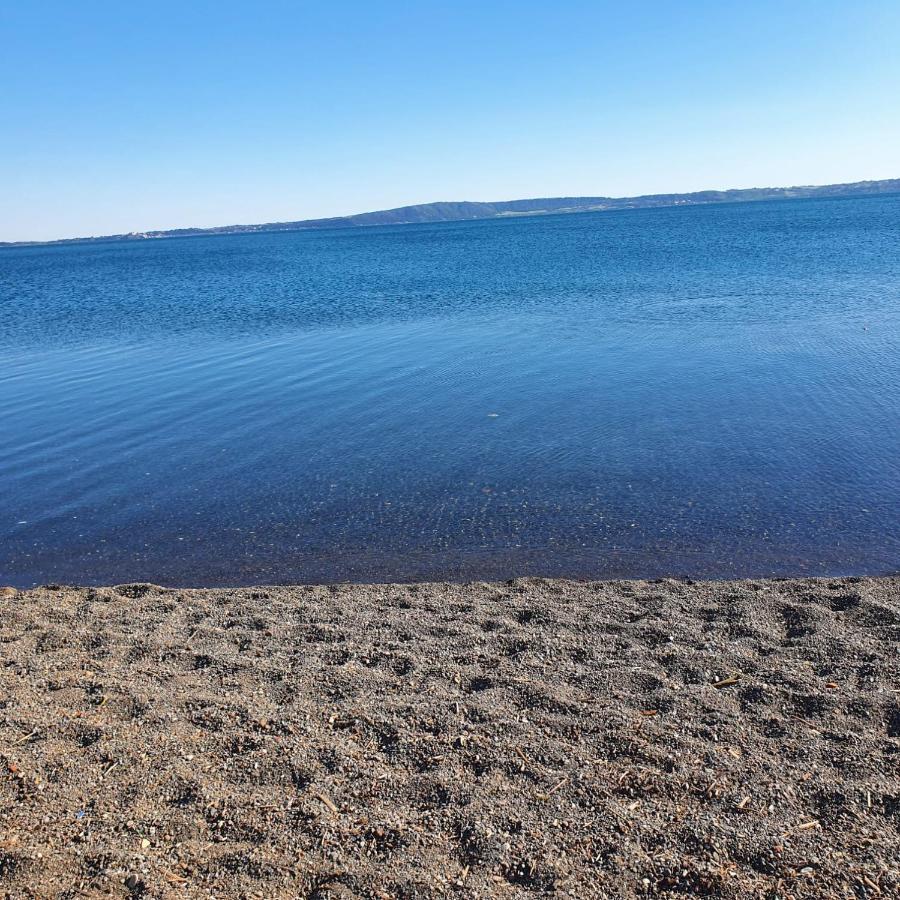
x: 804, y: 826
x: 320, y: 796
x: 727, y: 682
x: 525, y: 760
x: 554, y: 789
x: 868, y: 881
x: 803, y: 721
x: 22, y: 740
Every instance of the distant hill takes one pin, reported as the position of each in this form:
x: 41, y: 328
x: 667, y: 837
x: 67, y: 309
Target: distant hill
x: 452, y: 212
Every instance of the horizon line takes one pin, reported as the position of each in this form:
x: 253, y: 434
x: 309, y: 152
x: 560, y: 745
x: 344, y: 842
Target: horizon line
x: 495, y: 209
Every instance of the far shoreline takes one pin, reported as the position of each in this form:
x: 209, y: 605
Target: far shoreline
x: 504, y: 209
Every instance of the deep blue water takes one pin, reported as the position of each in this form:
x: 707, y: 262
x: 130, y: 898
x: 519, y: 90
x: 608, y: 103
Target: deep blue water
x: 707, y: 391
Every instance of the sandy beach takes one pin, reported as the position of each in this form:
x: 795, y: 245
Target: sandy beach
x: 566, y: 739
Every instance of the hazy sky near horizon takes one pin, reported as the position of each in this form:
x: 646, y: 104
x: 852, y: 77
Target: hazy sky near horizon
x: 118, y: 117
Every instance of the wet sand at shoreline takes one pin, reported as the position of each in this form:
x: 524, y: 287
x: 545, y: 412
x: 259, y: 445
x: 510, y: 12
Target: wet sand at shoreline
x: 520, y: 739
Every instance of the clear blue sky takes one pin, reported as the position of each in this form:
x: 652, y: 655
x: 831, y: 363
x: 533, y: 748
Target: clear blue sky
x: 130, y: 116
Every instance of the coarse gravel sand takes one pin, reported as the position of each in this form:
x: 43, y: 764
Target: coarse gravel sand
x: 524, y: 739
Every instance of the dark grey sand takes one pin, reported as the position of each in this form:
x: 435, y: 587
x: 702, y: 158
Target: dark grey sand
x: 555, y: 738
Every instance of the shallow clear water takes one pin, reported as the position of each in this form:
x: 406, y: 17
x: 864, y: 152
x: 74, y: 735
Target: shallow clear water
x: 708, y: 391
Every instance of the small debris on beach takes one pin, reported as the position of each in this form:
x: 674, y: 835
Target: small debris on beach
x: 506, y: 740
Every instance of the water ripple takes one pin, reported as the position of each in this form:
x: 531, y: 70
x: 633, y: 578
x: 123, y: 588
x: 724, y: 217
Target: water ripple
x: 696, y: 391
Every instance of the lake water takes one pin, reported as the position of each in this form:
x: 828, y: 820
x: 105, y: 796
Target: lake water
x: 706, y: 391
